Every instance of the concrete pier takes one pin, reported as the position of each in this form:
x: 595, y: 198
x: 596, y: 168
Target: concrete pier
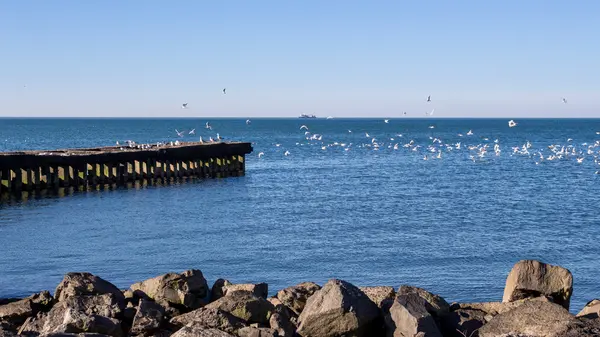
x: 81, y: 169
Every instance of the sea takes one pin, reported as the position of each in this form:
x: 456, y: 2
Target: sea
x: 449, y: 205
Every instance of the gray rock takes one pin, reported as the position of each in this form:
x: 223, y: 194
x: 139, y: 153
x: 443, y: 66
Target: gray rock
x: 257, y: 332
x: 591, y: 310
x: 281, y: 321
x: 437, y: 306
x: 530, y: 278
x: 188, y: 288
x: 148, y: 318
x: 216, y: 291
x: 259, y: 289
x: 383, y: 297
x: 532, y: 318
x: 16, y: 312
x: 463, y: 322
x: 80, y: 284
x: 210, y: 318
x: 339, y: 308
x: 295, y: 297
x: 245, y: 306
x: 409, y: 316
x: 197, y: 330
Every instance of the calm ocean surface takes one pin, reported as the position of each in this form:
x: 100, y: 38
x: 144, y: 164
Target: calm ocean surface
x: 372, y: 216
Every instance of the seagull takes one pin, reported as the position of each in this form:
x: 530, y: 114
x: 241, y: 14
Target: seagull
x: 386, y: 121
x: 564, y: 100
x: 193, y: 132
x: 428, y: 98
x: 404, y: 113
x: 260, y: 154
x: 512, y: 124
x: 184, y: 106
x: 248, y: 122
x: 224, y: 89
x: 218, y: 136
x: 208, y: 126
x: 304, y: 127
x: 470, y: 133
x: 180, y: 134
x: 430, y: 113
x: 286, y: 153
x: 201, y: 141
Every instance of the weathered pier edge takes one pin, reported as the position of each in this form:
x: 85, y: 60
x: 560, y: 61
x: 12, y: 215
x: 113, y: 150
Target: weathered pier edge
x: 94, y: 167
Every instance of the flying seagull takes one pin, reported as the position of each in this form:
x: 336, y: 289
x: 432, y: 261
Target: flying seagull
x: 192, y: 132
x: 184, y: 106
x: 512, y: 124
x: 564, y: 100
x: 180, y: 134
x: 224, y: 89
x: 428, y: 98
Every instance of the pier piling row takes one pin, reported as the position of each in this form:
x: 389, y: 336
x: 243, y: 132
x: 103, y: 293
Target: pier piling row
x: 84, y: 168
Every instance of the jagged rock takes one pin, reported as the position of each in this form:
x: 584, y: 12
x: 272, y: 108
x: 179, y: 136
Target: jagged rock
x: 210, y: 318
x: 295, y: 297
x: 591, y: 310
x: 339, y: 308
x: 534, y: 318
x: 16, y: 312
x: 257, y: 332
x: 409, y: 316
x: 148, y: 318
x: 79, y: 284
x: 259, y: 289
x: 197, y: 330
x: 245, y: 306
x: 437, y: 306
x: 77, y: 314
x: 495, y: 308
x: 530, y: 278
x: 383, y: 297
x: 281, y: 323
x: 463, y: 322
x: 216, y: 291
x: 188, y: 288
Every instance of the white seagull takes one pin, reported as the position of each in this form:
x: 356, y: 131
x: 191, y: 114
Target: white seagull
x: 564, y: 100
x: 184, y: 106
x: 193, y: 132
x: 304, y: 127
x: 512, y: 124
x: 386, y: 121
x: 248, y: 122
x: 180, y: 134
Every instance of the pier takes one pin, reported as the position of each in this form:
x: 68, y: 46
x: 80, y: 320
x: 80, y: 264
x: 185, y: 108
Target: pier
x: 82, y: 169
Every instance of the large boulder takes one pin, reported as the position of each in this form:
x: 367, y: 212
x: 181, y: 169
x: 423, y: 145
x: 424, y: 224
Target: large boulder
x: 216, y: 291
x: 281, y: 320
x: 246, y: 306
x: 591, y: 310
x: 16, y: 312
x: 197, y: 330
x: 250, y: 331
x: 79, y: 284
x: 437, y: 306
x: 409, y: 317
x: 463, y: 322
x: 295, y: 297
x: 210, y: 318
x: 148, y: 318
x: 339, y: 308
x: 530, y: 278
x: 259, y: 289
x: 187, y: 289
x: 77, y: 314
x: 535, y: 319
x: 383, y: 297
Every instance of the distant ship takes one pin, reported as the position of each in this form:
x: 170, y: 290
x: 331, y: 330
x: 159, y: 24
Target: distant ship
x: 307, y: 116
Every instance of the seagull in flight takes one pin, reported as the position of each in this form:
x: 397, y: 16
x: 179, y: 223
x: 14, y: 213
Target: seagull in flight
x: 564, y: 100
x: 512, y: 124
x: 386, y: 121
x: 192, y: 132
x: 180, y: 134
x: 429, y: 98
x: 248, y: 122
x: 184, y: 106
x: 224, y: 90
x: 303, y: 127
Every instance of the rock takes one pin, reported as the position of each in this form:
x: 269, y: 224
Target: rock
x: 216, y: 291
x: 281, y: 323
x: 530, y: 278
x: 259, y: 289
x: 495, y: 308
x: 257, y: 332
x: 148, y: 318
x: 197, y: 330
x: 188, y: 288
x: 7, y: 333
x: 210, y: 318
x: 77, y: 314
x: 532, y: 318
x: 79, y: 284
x: 383, y: 297
x: 245, y: 306
x: 409, y: 316
x: 463, y: 322
x: 437, y: 305
x: 339, y: 308
x: 295, y: 297
x: 16, y: 312
x: 65, y: 334
x: 591, y: 310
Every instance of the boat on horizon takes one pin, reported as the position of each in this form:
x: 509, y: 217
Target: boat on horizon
x: 307, y: 116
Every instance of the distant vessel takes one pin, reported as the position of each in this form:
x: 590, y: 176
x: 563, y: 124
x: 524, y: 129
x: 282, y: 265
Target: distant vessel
x: 307, y: 116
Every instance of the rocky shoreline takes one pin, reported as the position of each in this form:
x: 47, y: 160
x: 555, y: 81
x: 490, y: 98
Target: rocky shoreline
x: 535, y: 304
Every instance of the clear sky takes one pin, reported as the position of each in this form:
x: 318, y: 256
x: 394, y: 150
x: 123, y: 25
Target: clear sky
x: 508, y: 58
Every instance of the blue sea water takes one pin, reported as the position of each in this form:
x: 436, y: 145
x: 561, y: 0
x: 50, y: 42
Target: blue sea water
x: 335, y: 207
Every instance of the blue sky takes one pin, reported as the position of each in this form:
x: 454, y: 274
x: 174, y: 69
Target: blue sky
x: 282, y: 58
